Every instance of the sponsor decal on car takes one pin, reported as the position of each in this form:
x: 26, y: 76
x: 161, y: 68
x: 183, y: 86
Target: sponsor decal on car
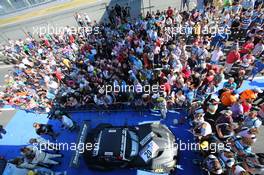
x: 147, y: 138
x: 148, y: 151
x: 159, y: 170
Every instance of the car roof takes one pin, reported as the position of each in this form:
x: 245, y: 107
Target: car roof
x: 110, y: 142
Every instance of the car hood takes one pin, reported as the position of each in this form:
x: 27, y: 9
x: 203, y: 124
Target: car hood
x: 157, y: 145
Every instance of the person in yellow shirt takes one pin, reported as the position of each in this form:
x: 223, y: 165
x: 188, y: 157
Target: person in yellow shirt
x: 67, y: 63
x: 229, y: 97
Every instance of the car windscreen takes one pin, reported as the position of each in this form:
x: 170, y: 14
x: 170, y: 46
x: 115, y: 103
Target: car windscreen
x: 132, y: 145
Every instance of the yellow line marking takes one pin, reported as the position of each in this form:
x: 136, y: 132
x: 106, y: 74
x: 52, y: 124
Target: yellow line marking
x: 46, y: 11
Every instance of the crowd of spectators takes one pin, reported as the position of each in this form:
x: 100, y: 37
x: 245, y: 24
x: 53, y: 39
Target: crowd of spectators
x: 187, y: 55
x: 68, y: 69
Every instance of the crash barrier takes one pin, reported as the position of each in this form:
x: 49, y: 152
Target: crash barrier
x: 116, y: 107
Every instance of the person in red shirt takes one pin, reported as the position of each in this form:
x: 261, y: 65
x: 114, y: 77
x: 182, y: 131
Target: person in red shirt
x: 209, y: 77
x: 58, y: 75
x: 86, y: 48
x: 246, y: 106
x: 169, y: 12
x: 247, y: 47
x: 186, y: 72
x: 47, y: 43
x: 231, y: 58
x: 167, y: 88
x: 71, y: 39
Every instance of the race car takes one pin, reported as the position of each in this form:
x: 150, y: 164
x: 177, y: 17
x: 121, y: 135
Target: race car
x: 149, y: 147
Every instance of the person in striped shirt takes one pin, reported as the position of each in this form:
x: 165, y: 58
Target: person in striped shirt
x: 244, y: 25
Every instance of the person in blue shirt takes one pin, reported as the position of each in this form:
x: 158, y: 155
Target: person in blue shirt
x: 257, y: 68
x: 242, y: 145
x: 230, y: 84
x: 91, y: 57
x: 136, y: 62
x: 218, y: 40
x: 252, y: 121
x: 190, y: 94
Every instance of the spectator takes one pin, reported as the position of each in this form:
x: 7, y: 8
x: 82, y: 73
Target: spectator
x: 39, y: 157
x: 67, y: 122
x: 242, y: 145
x: 257, y: 68
x: 252, y: 121
x: 261, y: 113
x: 213, y: 165
x: 250, y: 94
x: 185, y: 3
x: 239, y: 77
x: 2, y: 131
x: 45, y: 129
x: 43, y: 144
x: 202, y: 130
x: 237, y: 111
x: 226, y: 117
x: 228, y: 157
x: 247, y: 47
x: 224, y: 131
x: 228, y: 98
x: 230, y: 85
x: 249, y: 133
x: 22, y: 163
x: 231, y: 58
x: 216, y: 55
x: 239, y: 170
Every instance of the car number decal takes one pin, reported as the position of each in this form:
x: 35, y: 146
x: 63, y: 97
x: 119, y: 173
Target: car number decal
x: 148, y: 152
